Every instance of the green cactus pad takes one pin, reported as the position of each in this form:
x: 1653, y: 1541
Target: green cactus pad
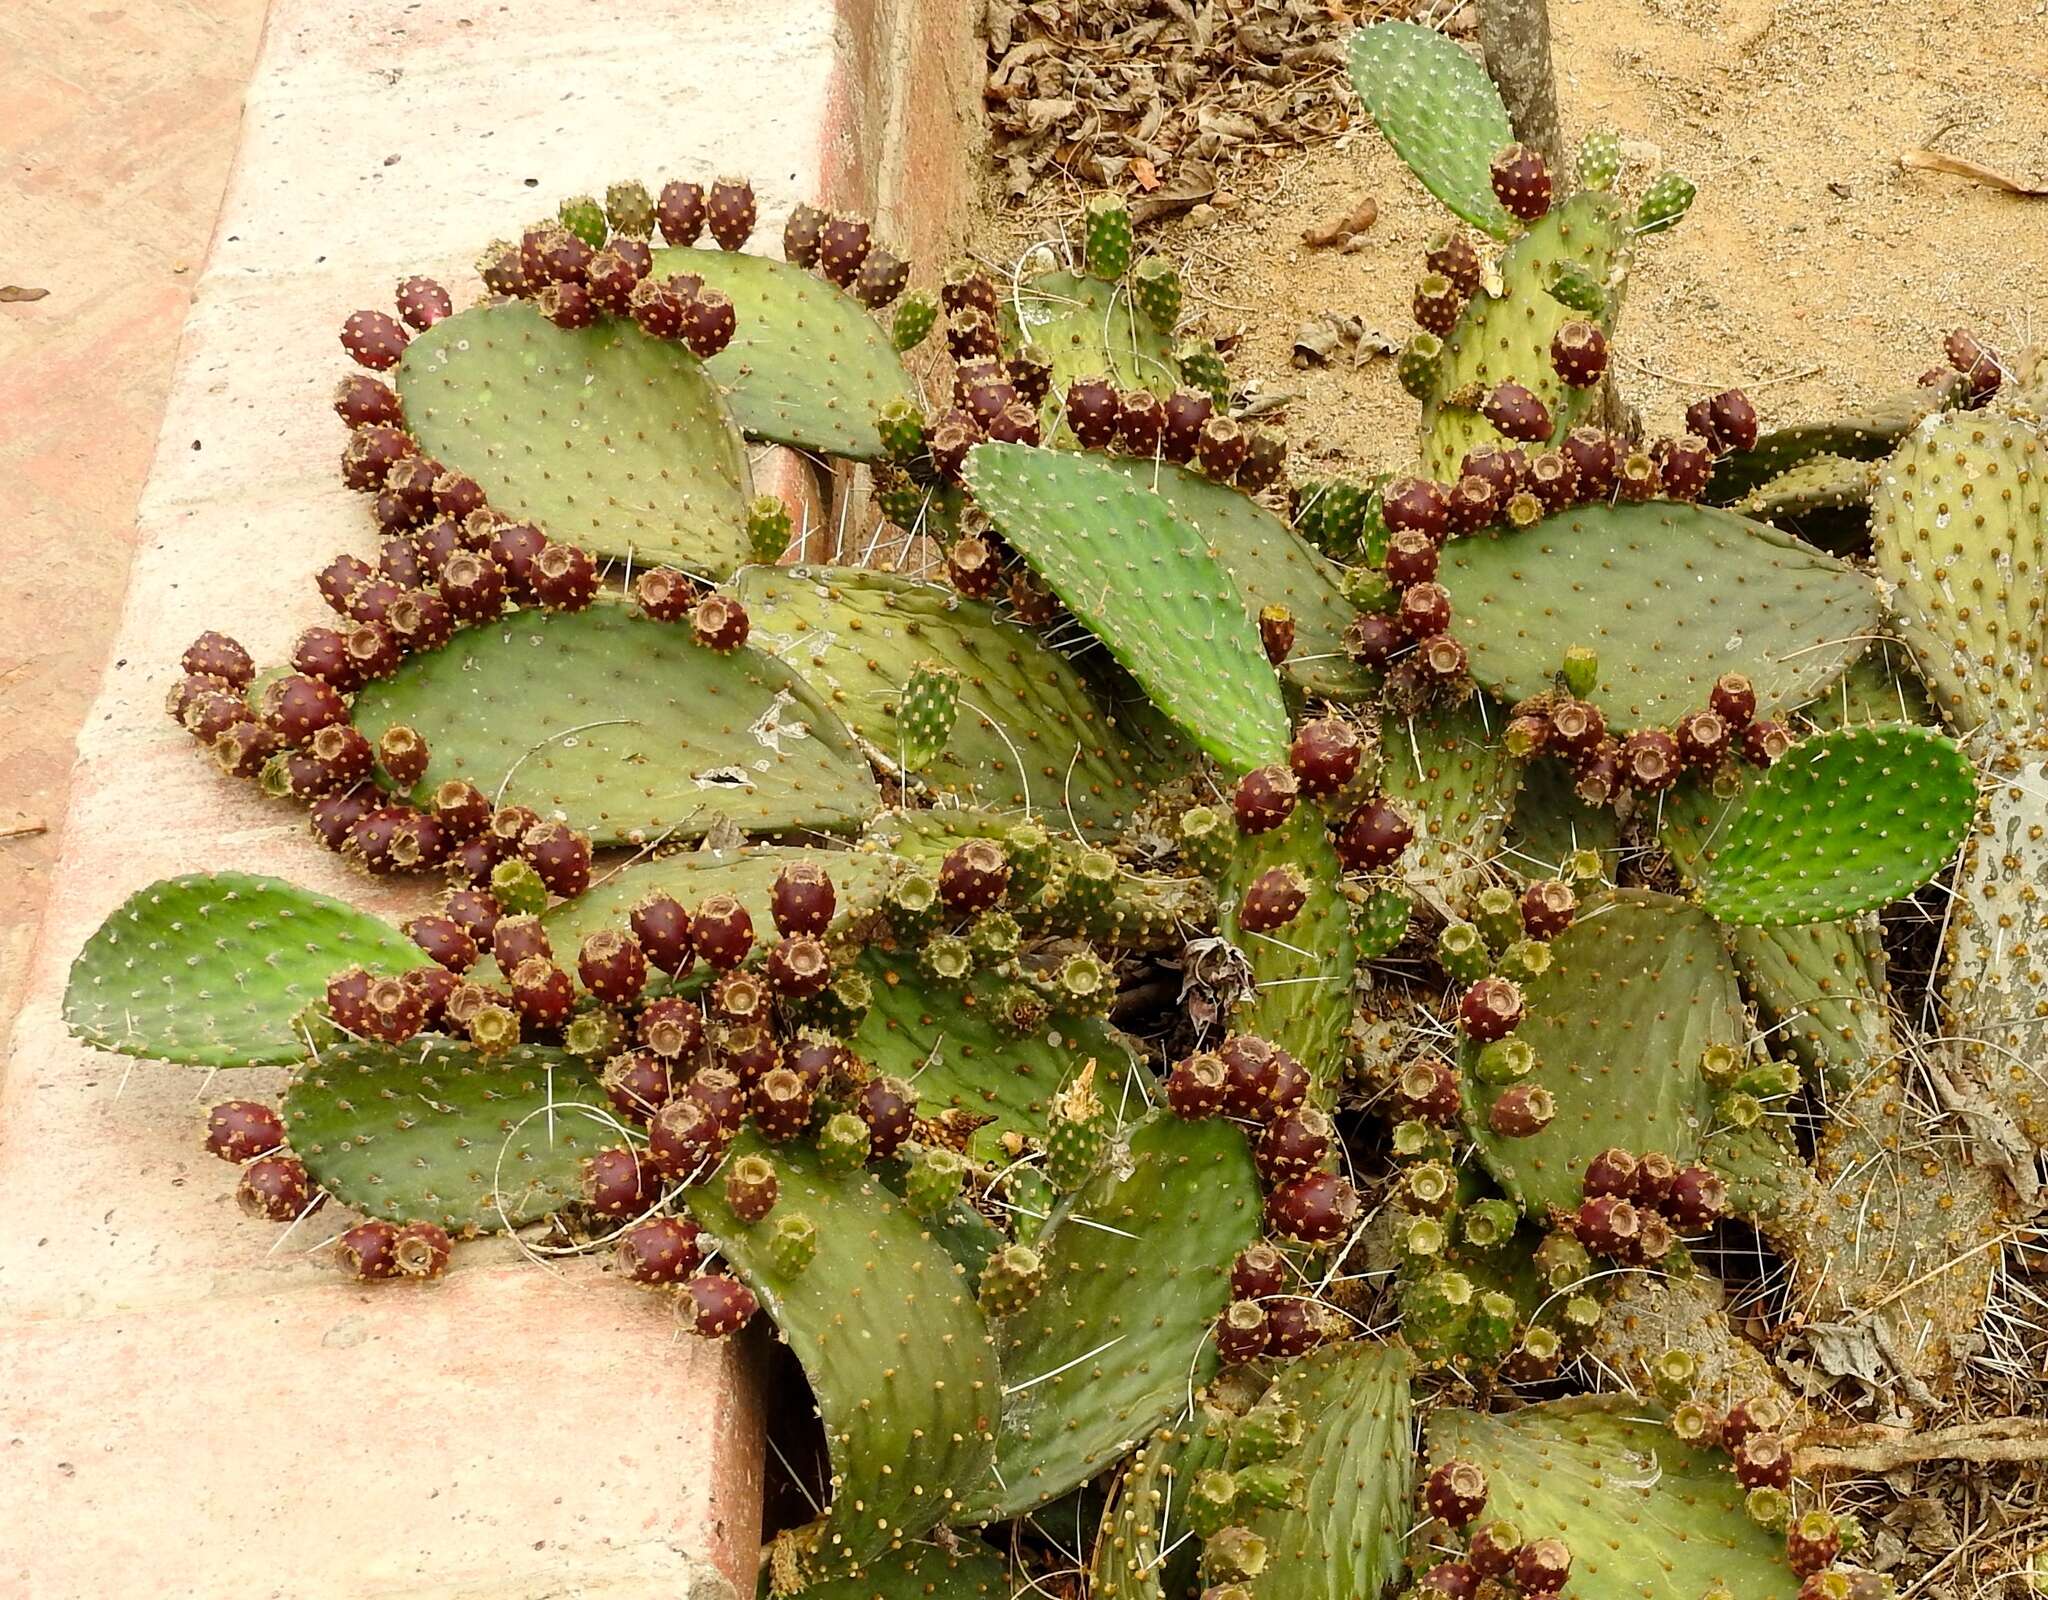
x: 211, y: 970
x: 919, y: 1572
x: 808, y: 366
x: 1551, y: 823
x: 1819, y: 483
x: 1651, y: 1314
x: 1844, y: 822
x: 948, y: 1043
x: 1869, y: 435
x: 1090, y: 329
x: 1031, y: 735
x: 927, y: 713
x: 1271, y: 565
x: 434, y: 1132
x: 1506, y: 335
x: 626, y: 728
x: 1960, y: 532
x: 1145, y: 584
x: 1881, y: 686
x: 1138, y: 1268
x: 1303, y: 972
x: 1995, y: 988
x: 1644, y: 1514
x: 602, y: 436
x: 1456, y: 784
x: 897, y: 1353
x: 1627, y: 1072
x: 1820, y: 992
x: 1139, y: 1550
x: 1358, y: 1458
x: 1441, y: 113
x: 1670, y: 597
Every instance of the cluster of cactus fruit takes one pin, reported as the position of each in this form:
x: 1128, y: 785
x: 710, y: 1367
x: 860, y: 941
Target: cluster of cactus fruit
x: 1165, y: 1073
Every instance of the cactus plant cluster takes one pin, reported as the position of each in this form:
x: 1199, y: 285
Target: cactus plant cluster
x: 1154, y: 1079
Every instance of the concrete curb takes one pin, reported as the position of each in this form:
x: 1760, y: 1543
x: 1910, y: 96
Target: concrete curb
x: 191, y: 1405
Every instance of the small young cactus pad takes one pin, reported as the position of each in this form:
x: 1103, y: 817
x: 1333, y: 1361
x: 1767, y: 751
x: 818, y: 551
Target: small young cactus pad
x: 626, y: 727
x: 1143, y: 580
x: 1438, y: 108
x: 213, y: 970
x: 603, y: 437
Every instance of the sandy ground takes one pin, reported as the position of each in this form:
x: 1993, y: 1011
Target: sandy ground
x: 120, y: 126
x: 1812, y: 270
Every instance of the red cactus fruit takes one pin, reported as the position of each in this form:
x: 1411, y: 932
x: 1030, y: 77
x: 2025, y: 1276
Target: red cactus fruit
x: 612, y: 966
x: 319, y: 653
x: 665, y: 595
x: 276, y: 1188
x: 1221, y: 449
x: 680, y: 211
x: 1187, y: 413
x: 1812, y: 1543
x: 1273, y: 899
x: 1240, y: 1332
x: 1764, y: 741
x: 1455, y: 1493
x: 340, y: 578
x: 1425, y: 610
x: 1472, y: 504
x: 1248, y: 1076
x: 476, y: 910
x: 1030, y: 373
x: 843, y: 245
x: 297, y: 707
x: 1548, y: 908
x: 1141, y: 421
x: 1319, y: 1209
x: 752, y: 1188
x: 1371, y: 638
x: 1195, y: 1088
x: 369, y: 1251
x: 215, y: 655
x: 542, y: 993
x: 721, y: 931
x: 1517, y: 412
x: 672, y: 1027
x: 974, y: 876
x: 661, y: 1250
x: 1655, y: 1175
x: 976, y: 349
x: 444, y: 940
x: 1543, y: 1566
x: 1452, y: 1580
x: 1650, y: 760
x: 656, y: 309
x: 722, y: 1092
x: 709, y: 322
x: 1411, y: 558
x: 563, y: 578
x: 1258, y: 1271
x: 1578, y: 353
x: 1093, y: 412
x: 334, y: 818
x: 1276, y: 632
x: 1637, y: 478
x: 1373, y: 837
x: 420, y: 1250
x: 1762, y: 1461
x: 729, y: 212
x: 638, y: 1083
x: 1613, y: 1173
x: 1294, y: 1145
x: 237, y: 1130
x: 422, y: 302
x: 663, y: 928
x: 1442, y: 657
x: 1416, y: 505
x: 1264, y: 798
x: 798, y: 967
x: 617, y: 1184
x: 1734, y: 421
x: 611, y: 280
x: 373, y: 652
x: 719, y: 622
x: 1553, y: 480
x: 374, y: 339
x: 360, y: 400
x: 1734, y: 701
x: 1429, y: 1090
x: 973, y: 567
x: 1698, y: 1198
x: 1704, y: 740
x: 1596, y: 458
x: 889, y: 1108
x: 243, y: 747
x: 882, y: 277
x: 1016, y: 423
x: 1522, y: 1111
x: 567, y: 305
x: 1684, y: 466
x: 782, y: 1103
x: 802, y: 899
x: 369, y: 600
x: 1438, y: 303
x: 685, y: 1140
x: 403, y: 755
x: 1608, y: 1225
x: 460, y: 808
x: 1764, y: 1413
x: 1576, y: 729
x: 1324, y: 756
x: 1504, y: 467
x: 519, y: 939
x: 1294, y: 1326
x: 1526, y: 736
x: 1451, y: 253
x: 1521, y: 182
x: 1490, y: 1009
x: 1491, y: 1549
x: 559, y: 856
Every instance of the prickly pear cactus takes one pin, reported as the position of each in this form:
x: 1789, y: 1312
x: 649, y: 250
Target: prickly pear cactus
x: 1439, y: 110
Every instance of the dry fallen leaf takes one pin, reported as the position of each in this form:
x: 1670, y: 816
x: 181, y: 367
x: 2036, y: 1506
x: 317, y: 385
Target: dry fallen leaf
x: 1145, y: 173
x: 1935, y: 161
x: 1340, y: 230
x: 12, y: 292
